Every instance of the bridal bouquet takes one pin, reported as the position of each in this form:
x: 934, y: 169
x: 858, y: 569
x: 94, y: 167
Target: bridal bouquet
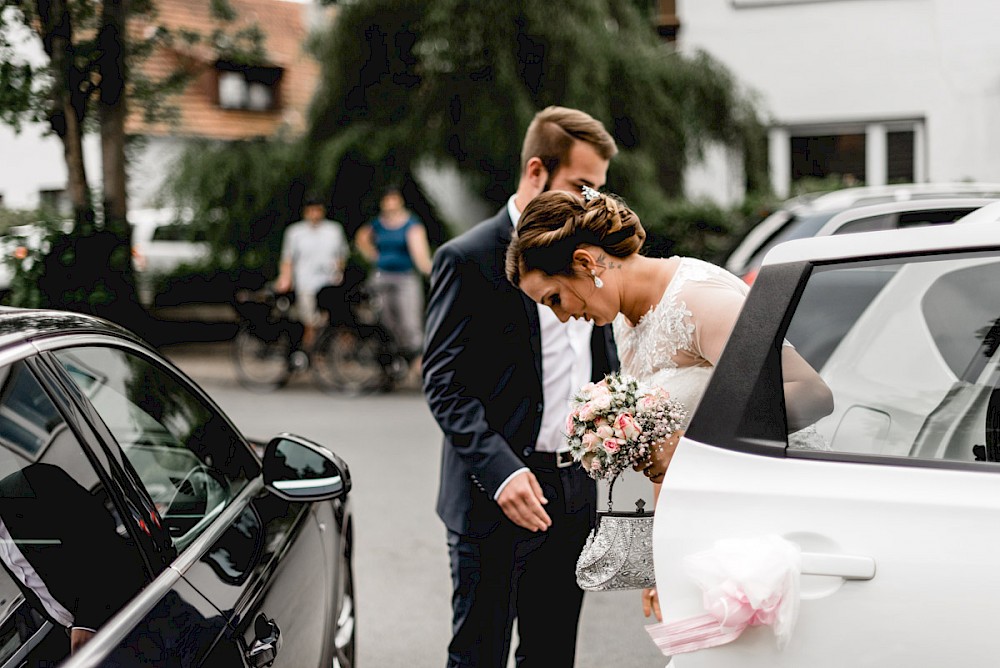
x: 615, y: 423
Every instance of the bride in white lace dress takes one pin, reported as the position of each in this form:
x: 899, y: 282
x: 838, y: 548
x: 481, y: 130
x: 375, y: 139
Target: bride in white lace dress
x: 671, y: 317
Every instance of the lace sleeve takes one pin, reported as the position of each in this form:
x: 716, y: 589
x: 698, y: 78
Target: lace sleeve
x: 714, y: 307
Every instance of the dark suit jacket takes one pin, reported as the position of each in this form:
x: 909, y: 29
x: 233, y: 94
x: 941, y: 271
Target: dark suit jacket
x: 482, y: 373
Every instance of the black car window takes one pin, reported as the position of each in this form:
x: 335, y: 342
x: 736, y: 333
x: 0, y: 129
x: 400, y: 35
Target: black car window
x: 886, y: 221
x: 798, y: 227
x: 180, y: 232
x: 934, y: 217
x: 68, y: 552
x: 891, y: 221
x: 191, y: 462
x: 913, y: 364
x: 27, y: 416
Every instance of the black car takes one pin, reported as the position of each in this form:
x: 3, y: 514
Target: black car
x: 139, y: 527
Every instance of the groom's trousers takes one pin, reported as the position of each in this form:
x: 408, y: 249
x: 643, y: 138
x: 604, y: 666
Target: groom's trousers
x: 513, y: 573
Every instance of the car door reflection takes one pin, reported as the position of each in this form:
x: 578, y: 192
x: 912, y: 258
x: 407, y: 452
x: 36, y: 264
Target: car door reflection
x: 62, y: 548
x: 180, y: 630
x: 238, y: 550
x: 270, y: 562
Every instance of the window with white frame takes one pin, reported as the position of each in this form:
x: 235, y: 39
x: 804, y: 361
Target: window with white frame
x: 872, y: 153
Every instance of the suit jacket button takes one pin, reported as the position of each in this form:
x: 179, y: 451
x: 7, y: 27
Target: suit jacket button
x: 539, y: 406
x: 526, y: 452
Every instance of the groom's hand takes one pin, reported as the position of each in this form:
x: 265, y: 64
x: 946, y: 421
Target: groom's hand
x: 522, y: 500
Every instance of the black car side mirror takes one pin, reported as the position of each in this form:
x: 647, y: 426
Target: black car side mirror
x: 296, y: 469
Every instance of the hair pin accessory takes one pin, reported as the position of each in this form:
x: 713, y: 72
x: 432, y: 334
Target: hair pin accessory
x: 589, y: 194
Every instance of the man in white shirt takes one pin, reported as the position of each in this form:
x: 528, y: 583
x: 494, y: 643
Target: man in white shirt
x: 313, y: 255
x: 498, y: 375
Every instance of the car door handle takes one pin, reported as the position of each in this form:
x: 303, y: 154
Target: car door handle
x: 266, y: 644
x: 847, y: 566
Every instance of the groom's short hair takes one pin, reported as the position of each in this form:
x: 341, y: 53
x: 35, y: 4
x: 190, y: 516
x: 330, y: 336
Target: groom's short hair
x: 553, y: 131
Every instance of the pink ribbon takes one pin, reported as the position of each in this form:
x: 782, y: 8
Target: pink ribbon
x: 730, y: 612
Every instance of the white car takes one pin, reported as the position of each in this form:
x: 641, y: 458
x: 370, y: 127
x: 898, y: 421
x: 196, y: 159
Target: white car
x: 897, y: 523
x: 162, y: 240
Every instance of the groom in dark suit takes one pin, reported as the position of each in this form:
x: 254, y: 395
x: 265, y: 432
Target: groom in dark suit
x: 498, y: 374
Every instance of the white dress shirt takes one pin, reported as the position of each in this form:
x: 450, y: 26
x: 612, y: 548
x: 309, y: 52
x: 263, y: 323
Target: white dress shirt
x: 566, y: 366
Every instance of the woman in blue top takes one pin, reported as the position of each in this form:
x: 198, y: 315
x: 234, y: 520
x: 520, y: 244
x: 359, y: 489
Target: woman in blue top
x: 395, y: 242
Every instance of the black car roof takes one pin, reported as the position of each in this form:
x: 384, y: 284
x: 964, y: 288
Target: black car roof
x: 18, y: 325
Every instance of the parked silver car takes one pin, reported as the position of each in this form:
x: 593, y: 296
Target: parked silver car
x: 839, y: 212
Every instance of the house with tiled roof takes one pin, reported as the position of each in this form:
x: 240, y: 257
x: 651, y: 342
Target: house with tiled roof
x: 225, y: 99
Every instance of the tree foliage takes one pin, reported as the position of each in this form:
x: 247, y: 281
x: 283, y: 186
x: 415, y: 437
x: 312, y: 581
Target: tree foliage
x: 457, y: 82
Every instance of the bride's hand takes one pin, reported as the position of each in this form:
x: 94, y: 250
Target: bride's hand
x: 655, y: 466
x: 651, y: 604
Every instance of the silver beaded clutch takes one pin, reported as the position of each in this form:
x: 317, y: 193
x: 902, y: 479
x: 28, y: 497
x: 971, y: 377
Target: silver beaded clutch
x: 618, y: 553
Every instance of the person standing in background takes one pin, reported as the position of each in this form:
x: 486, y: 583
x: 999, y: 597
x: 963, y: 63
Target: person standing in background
x: 395, y: 243
x: 313, y: 255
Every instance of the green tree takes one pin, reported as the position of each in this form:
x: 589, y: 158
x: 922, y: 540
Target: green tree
x: 87, y: 77
x: 457, y: 81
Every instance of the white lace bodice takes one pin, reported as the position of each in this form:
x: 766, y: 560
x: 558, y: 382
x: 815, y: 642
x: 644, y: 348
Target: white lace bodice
x: 673, y: 346
x: 677, y: 343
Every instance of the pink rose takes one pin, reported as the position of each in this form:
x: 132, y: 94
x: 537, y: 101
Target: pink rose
x: 586, y: 412
x: 611, y: 445
x: 601, y: 400
x: 591, y: 441
x: 626, y: 427
x: 570, y: 426
x: 653, y: 399
x: 604, y: 431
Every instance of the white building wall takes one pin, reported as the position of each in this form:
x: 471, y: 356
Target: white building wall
x: 32, y: 161
x: 822, y: 62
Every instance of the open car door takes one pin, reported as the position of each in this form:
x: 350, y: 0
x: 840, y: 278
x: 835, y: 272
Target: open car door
x: 898, y: 521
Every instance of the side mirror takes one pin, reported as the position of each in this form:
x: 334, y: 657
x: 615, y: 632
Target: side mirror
x: 296, y: 469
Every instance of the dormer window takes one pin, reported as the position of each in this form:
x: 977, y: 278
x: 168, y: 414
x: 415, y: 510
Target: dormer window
x: 248, y: 87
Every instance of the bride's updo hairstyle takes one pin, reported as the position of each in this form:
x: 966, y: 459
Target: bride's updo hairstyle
x: 556, y: 223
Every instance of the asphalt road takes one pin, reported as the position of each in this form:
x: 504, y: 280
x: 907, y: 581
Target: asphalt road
x: 392, y: 446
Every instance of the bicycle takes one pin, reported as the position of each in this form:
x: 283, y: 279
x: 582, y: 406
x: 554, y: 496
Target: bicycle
x: 354, y: 353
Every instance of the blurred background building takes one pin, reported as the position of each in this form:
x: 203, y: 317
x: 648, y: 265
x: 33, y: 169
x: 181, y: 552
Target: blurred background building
x: 875, y: 91
x: 225, y: 100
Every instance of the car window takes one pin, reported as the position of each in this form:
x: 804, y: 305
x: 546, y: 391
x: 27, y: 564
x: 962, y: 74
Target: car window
x: 179, y: 232
x: 190, y: 461
x: 69, y: 556
x: 935, y: 217
x: 27, y: 416
x: 885, y: 221
x: 798, y: 227
x: 913, y: 363
x: 906, y: 219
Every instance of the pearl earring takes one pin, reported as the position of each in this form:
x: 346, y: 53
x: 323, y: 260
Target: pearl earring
x: 598, y: 283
